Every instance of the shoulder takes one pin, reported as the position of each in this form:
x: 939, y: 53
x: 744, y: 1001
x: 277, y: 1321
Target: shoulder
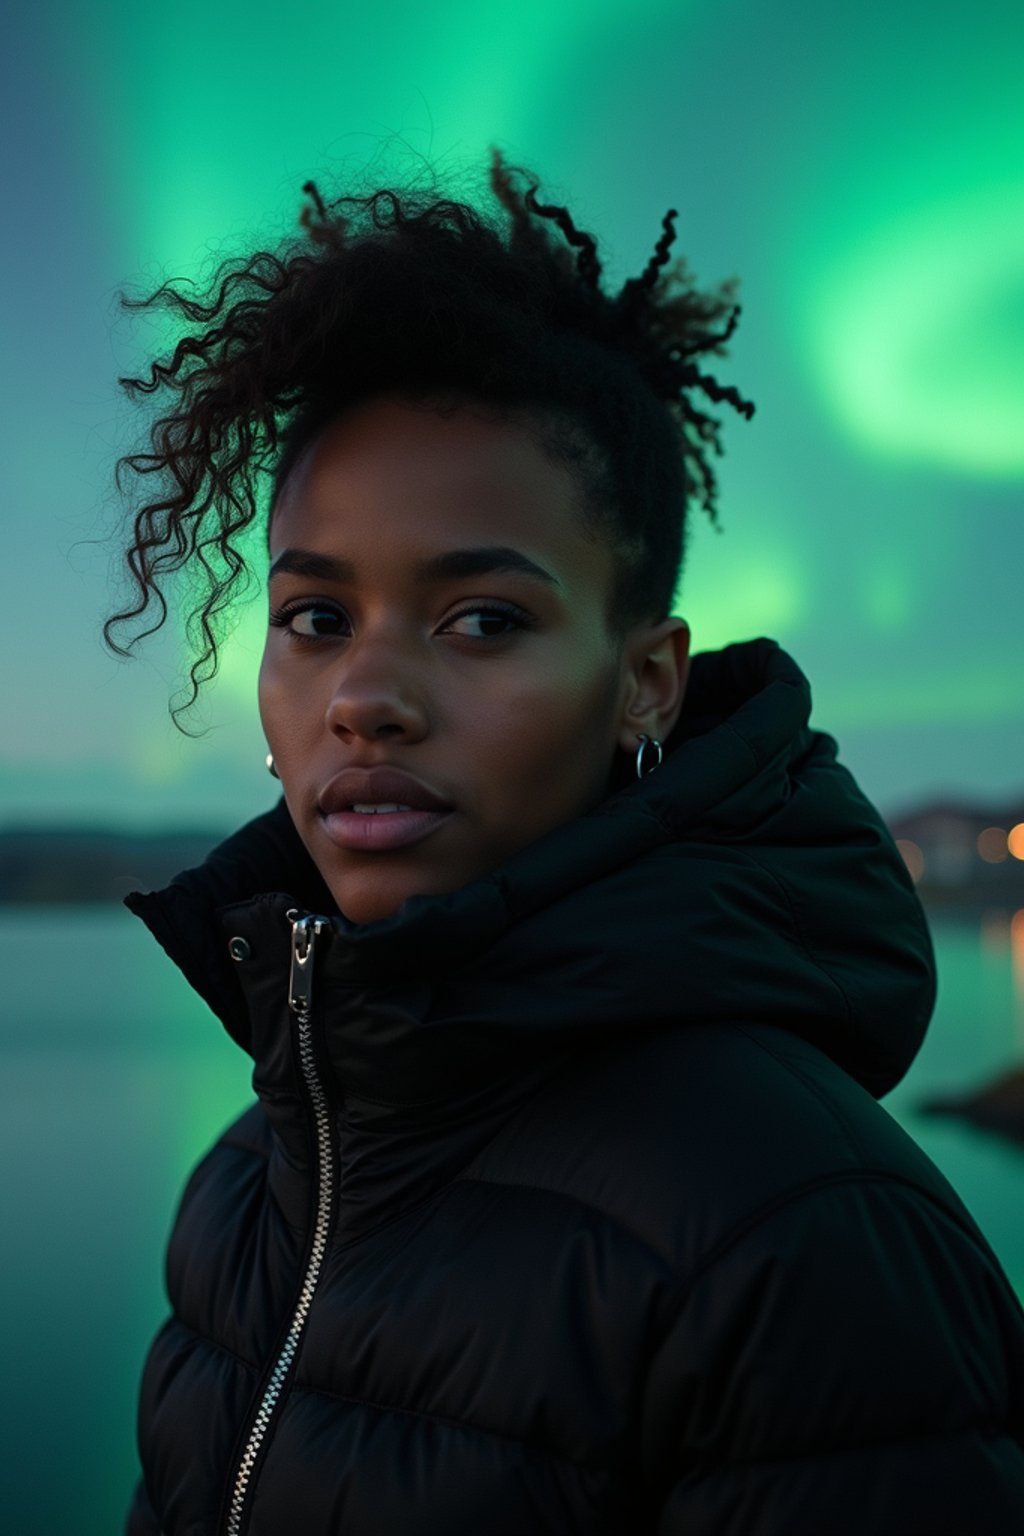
x: 690, y: 1137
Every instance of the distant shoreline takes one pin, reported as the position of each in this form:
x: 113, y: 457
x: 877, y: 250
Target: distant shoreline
x: 92, y: 865
x: 72, y: 865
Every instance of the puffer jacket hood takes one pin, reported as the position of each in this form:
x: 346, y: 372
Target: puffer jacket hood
x: 749, y: 840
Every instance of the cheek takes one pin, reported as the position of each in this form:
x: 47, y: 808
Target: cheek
x: 283, y: 709
x: 266, y: 699
x: 545, y: 741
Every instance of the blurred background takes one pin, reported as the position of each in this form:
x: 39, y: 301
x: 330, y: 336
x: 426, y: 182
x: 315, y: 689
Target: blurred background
x: 860, y: 168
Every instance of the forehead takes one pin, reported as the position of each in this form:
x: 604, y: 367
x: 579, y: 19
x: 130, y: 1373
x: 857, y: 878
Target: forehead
x: 391, y: 479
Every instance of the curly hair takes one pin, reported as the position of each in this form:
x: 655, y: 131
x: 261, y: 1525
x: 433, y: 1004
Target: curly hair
x: 425, y: 298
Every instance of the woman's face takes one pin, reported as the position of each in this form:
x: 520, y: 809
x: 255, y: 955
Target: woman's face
x: 438, y: 613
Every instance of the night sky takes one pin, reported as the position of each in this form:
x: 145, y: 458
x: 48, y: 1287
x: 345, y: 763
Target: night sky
x: 860, y: 169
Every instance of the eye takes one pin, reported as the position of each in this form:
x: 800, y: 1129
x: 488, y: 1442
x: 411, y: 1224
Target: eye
x: 312, y: 620
x: 487, y: 623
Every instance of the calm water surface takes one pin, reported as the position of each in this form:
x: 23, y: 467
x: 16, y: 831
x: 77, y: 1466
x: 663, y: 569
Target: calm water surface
x: 117, y: 1078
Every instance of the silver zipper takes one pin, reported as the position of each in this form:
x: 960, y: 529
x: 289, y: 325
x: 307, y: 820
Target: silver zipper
x: 300, y: 998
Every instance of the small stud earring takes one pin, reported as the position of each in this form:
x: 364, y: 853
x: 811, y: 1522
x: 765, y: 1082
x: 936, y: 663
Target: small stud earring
x: 270, y: 766
x: 645, y: 742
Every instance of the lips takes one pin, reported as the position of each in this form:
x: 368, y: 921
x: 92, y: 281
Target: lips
x: 377, y: 786
x: 408, y: 810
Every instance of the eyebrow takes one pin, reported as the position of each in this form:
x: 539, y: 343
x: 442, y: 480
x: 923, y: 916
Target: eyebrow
x: 450, y: 565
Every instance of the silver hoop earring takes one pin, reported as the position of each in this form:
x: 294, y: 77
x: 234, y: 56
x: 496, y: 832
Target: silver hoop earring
x: 645, y: 742
x: 270, y: 766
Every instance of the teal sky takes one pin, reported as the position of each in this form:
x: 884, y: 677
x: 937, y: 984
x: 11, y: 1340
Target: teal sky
x: 861, y: 169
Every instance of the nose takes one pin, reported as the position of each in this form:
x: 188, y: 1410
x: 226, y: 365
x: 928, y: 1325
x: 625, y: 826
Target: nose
x: 375, y: 698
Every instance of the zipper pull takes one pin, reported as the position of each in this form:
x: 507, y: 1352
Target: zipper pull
x: 300, y: 978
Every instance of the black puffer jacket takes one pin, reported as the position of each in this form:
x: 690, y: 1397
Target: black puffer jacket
x: 566, y: 1206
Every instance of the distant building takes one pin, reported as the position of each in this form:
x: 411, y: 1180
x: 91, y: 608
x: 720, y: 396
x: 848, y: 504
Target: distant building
x: 960, y: 854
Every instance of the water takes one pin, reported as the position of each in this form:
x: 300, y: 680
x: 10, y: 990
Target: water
x: 117, y: 1078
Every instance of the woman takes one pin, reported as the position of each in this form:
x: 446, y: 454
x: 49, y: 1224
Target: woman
x: 570, y: 970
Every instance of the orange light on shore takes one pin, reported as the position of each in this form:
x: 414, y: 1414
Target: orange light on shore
x: 1015, y: 840
x: 913, y: 858
x: 992, y: 845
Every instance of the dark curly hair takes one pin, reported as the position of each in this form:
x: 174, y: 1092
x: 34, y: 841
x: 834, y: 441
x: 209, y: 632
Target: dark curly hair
x: 428, y: 299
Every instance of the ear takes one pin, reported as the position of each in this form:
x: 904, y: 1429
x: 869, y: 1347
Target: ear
x: 657, y: 659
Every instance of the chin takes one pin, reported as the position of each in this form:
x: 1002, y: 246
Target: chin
x: 367, y: 909
x: 373, y: 897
